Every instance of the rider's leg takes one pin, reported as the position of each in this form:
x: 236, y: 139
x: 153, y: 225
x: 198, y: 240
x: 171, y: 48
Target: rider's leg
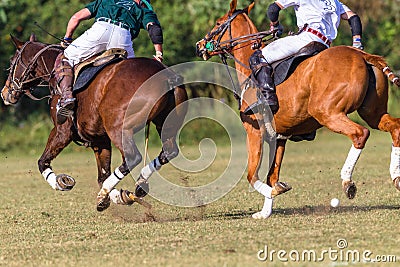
x: 262, y: 71
x: 64, y: 75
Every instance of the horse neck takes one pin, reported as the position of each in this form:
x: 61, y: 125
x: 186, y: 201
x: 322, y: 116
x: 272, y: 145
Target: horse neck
x: 242, y: 52
x: 45, y: 57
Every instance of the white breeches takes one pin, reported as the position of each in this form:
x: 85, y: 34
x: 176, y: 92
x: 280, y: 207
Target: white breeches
x: 101, y: 36
x: 288, y: 46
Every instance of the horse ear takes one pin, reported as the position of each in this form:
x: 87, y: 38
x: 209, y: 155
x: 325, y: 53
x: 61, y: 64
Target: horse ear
x: 233, y: 7
x: 32, y: 38
x: 18, y: 44
x: 249, y: 8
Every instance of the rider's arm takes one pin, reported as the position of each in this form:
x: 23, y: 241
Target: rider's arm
x: 273, y: 15
x: 355, y: 25
x: 152, y: 25
x: 73, y: 23
x: 156, y: 36
x: 273, y: 12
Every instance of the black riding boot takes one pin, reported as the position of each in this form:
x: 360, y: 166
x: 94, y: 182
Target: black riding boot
x: 262, y: 72
x: 64, y: 75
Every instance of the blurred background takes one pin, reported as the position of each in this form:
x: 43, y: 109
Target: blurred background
x: 184, y: 22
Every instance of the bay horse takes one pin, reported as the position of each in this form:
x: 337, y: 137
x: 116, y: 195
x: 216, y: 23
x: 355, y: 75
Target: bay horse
x: 321, y: 91
x: 110, y: 111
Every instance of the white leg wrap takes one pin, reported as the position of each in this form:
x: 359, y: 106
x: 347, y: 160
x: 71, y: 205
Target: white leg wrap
x: 115, y: 196
x: 263, y: 189
x: 266, y: 210
x: 113, y: 180
x: 148, y: 170
x: 395, y: 162
x: 50, y: 177
x: 350, y: 163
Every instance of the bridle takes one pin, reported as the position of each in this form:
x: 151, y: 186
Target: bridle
x: 27, y: 76
x: 224, y: 49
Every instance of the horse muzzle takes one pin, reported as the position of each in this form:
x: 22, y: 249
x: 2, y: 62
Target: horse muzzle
x: 201, y: 50
x: 7, y: 97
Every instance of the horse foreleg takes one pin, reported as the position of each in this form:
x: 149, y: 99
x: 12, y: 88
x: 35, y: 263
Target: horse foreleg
x: 254, y: 149
x: 59, y: 138
x: 273, y: 175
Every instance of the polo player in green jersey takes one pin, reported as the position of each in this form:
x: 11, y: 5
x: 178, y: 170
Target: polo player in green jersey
x: 117, y: 23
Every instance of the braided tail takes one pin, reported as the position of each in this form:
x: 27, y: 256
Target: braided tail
x: 380, y: 63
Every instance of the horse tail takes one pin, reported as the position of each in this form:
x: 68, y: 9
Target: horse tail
x: 380, y: 63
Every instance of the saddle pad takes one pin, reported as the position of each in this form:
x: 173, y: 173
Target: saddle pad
x: 283, y: 69
x: 89, y: 73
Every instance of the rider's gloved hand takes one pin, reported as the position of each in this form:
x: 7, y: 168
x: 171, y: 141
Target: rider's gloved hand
x: 66, y: 41
x: 276, y: 29
x: 357, y: 43
x: 158, y: 56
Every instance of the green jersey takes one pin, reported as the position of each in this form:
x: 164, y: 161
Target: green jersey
x: 126, y: 11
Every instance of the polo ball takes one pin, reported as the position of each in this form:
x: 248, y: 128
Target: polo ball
x: 335, y: 202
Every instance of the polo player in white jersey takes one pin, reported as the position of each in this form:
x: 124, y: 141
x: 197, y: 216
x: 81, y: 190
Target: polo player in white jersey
x: 318, y: 20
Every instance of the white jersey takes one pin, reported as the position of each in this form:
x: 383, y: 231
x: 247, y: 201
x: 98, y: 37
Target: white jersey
x: 321, y: 15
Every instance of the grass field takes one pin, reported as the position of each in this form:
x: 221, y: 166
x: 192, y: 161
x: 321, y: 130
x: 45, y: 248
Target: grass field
x: 42, y: 227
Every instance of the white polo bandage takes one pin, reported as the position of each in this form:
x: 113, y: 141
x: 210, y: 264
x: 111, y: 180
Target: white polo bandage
x: 50, y: 177
x: 263, y: 188
x: 148, y: 170
x: 350, y: 163
x: 395, y: 162
x: 113, y: 180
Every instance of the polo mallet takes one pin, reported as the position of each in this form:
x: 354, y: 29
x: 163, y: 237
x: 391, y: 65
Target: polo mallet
x: 146, y: 143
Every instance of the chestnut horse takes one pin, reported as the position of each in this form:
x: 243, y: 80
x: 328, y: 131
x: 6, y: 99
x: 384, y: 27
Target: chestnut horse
x: 321, y: 92
x: 109, y: 101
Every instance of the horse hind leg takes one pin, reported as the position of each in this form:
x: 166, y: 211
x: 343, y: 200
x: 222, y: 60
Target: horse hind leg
x: 169, y: 151
x: 358, y: 134
x: 374, y: 112
x: 389, y: 124
x: 131, y: 158
x: 168, y: 123
x: 102, y: 154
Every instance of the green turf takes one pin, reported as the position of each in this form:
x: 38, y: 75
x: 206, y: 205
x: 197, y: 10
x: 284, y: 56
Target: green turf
x: 42, y: 227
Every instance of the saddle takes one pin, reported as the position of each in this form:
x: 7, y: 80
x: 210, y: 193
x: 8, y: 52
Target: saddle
x: 284, y: 68
x: 87, y: 70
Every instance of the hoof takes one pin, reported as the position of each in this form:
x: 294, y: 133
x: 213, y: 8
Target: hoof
x: 349, y: 188
x: 103, y: 200
x: 396, y: 183
x: 280, y: 188
x: 65, y: 182
x: 142, y: 188
x: 259, y: 215
x: 126, y: 200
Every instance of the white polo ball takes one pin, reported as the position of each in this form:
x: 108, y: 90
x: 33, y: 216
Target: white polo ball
x: 335, y: 202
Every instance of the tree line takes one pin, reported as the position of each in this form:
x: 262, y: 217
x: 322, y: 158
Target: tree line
x: 184, y: 22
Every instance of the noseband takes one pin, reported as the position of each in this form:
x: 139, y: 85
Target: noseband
x: 213, y: 38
